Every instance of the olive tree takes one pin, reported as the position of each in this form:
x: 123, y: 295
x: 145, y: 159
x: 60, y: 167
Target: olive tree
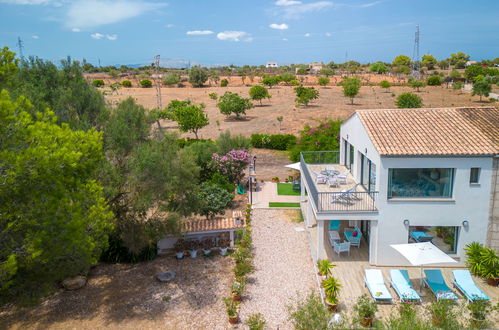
x: 304, y: 95
x: 232, y: 103
x: 258, y: 93
x: 197, y: 76
x: 351, y: 87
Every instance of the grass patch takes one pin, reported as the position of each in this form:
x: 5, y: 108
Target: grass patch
x: 278, y: 204
x: 286, y: 189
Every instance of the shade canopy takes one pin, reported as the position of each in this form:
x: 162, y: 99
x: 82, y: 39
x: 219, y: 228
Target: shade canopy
x: 294, y: 166
x: 419, y: 254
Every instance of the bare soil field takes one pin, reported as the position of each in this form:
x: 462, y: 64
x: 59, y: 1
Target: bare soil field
x: 127, y: 296
x: 263, y: 119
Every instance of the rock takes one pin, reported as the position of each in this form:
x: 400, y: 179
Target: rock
x: 74, y: 283
x: 166, y: 276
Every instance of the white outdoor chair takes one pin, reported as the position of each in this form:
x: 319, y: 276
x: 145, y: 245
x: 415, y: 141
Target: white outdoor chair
x: 343, y: 177
x: 341, y: 247
x: 333, y: 182
x: 321, y: 179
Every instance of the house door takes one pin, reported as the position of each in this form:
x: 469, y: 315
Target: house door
x: 365, y: 228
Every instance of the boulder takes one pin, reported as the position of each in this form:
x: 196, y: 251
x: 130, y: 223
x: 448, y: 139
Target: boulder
x: 166, y: 276
x: 74, y: 283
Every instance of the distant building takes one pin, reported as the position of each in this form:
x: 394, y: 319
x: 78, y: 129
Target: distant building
x: 271, y: 65
x: 468, y: 63
x: 315, y: 67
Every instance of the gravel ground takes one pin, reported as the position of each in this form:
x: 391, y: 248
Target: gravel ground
x: 283, y: 267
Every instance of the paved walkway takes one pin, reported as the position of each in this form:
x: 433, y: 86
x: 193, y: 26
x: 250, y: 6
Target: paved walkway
x: 283, y: 267
x: 267, y: 192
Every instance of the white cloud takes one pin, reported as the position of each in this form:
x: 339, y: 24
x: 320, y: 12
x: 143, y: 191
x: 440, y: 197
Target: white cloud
x: 169, y: 26
x: 279, y: 26
x: 75, y: 30
x: 235, y: 36
x: 99, y: 36
x: 34, y: 36
x: 287, y: 2
x: 30, y: 2
x: 307, y: 35
x: 370, y: 4
x: 199, y: 32
x: 93, y: 13
x: 284, y: 39
x: 328, y: 34
x: 297, y: 11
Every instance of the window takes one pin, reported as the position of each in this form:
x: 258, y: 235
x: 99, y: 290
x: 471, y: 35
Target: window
x: 420, y: 182
x: 352, y: 152
x: 475, y: 175
x: 443, y: 237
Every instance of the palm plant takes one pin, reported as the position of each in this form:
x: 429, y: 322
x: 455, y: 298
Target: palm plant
x: 332, y: 288
x: 325, y: 267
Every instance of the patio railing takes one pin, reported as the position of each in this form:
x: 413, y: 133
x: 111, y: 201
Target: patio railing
x: 334, y: 202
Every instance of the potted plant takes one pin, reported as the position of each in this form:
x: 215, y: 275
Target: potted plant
x: 365, y: 309
x: 275, y: 179
x: 224, y: 245
x: 442, y: 313
x: 332, y: 288
x: 231, y: 307
x: 489, y: 266
x: 179, y: 248
x: 479, y: 309
x: 193, y: 247
x: 325, y: 266
x: 238, y: 288
x: 207, y: 246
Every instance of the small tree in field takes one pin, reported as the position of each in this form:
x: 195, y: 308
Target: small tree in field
x: 385, y: 84
x: 409, y: 100
x: 323, y: 81
x: 98, y: 83
x: 126, y: 83
x: 213, y: 96
x: 481, y: 88
x: 258, y: 93
x: 146, y: 83
x: 280, y: 119
x: 171, y: 79
x: 197, y: 76
x: 416, y: 84
x: 214, y: 200
x: 191, y: 118
x: 351, y: 87
x: 304, y: 95
x: 231, y: 103
x: 270, y: 81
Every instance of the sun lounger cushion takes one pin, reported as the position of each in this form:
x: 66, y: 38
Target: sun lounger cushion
x: 402, y: 285
x: 376, y: 285
x: 464, y: 282
x: 435, y: 280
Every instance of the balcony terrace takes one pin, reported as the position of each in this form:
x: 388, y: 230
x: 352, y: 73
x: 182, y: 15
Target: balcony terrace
x: 338, y: 199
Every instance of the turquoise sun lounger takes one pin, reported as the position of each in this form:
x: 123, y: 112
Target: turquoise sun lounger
x: 435, y: 281
x: 374, y: 282
x: 464, y: 282
x: 399, y: 281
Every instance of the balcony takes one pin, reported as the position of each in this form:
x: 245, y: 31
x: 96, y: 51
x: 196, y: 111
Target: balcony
x: 334, y: 199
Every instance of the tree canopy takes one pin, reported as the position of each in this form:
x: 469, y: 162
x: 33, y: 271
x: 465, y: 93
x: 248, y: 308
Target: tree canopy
x: 232, y: 103
x: 351, y: 87
x: 402, y: 60
x: 409, y: 100
x: 258, y: 93
x: 378, y: 67
x: 481, y: 88
x: 459, y: 59
x: 304, y: 95
x: 198, y: 76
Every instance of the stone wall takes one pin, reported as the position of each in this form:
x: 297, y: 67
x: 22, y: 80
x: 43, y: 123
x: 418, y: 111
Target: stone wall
x: 493, y: 230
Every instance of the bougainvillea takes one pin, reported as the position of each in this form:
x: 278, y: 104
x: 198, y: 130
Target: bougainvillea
x: 232, y: 164
x: 324, y: 137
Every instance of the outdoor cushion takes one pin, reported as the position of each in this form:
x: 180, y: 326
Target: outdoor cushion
x: 376, y: 285
x: 355, y: 233
x: 464, y: 282
x: 436, y: 282
x: 402, y: 285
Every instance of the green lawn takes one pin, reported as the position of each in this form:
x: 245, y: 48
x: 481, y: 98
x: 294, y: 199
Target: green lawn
x: 278, y: 204
x: 286, y: 189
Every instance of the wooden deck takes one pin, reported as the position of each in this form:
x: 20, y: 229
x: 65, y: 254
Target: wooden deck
x: 350, y: 272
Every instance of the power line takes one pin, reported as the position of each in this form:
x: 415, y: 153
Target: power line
x: 157, y: 82
x: 20, y: 45
x: 415, y: 55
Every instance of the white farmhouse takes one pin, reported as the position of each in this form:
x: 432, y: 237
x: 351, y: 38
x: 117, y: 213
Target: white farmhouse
x: 271, y: 65
x: 405, y: 176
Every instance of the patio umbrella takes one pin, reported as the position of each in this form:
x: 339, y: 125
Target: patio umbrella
x: 294, y: 166
x: 421, y: 254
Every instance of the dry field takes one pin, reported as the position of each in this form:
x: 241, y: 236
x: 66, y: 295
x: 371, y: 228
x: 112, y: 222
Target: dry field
x: 127, y: 296
x: 263, y: 119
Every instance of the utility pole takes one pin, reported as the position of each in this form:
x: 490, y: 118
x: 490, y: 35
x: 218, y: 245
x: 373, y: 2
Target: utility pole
x: 20, y: 46
x: 415, y: 55
x: 158, y: 82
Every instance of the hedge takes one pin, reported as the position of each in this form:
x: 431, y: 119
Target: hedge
x: 275, y: 141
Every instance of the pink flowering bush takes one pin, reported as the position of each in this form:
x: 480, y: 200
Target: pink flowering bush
x: 232, y: 164
x: 324, y: 137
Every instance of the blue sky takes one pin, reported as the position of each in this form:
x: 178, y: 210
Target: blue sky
x: 248, y: 32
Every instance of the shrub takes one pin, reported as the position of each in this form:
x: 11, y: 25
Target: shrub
x: 407, y: 318
x: 409, y: 100
x: 221, y: 181
x: 256, y: 322
x: 309, y: 313
x: 323, y: 137
x: 275, y: 141
x: 444, y: 315
x: 482, y: 261
x: 416, y: 84
x: 213, y: 96
x: 304, y: 95
x: 224, y: 83
x: 98, y: 83
x: 378, y: 67
x: 385, y: 84
x: 323, y: 81
x: 126, y: 83
x: 232, y: 103
x: 172, y: 78
x: 365, y: 307
x: 232, y: 164
x: 286, y: 78
x: 271, y: 80
x: 294, y: 82
x: 434, y: 81
x: 214, y: 200
x: 185, y: 142
x: 227, y: 142
x: 243, y: 268
x: 146, y: 83
x: 197, y: 76
x: 458, y: 85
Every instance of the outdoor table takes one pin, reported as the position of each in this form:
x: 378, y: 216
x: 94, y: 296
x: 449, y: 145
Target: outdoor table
x: 330, y: 172
x: 334, y: 235
x: 421, y: 236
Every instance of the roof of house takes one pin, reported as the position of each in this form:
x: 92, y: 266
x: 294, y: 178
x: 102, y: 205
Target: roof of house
x: 432, y: 132
x: 217, y: 224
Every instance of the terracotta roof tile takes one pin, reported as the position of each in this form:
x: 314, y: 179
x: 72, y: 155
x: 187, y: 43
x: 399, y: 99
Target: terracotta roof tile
x: 444, y: 131
x: 195, y: 225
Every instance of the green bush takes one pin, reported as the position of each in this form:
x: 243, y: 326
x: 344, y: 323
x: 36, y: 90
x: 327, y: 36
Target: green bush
x: 256, y: 322
x: 172, y: 78
x: 482, y: 261
x: 274, y: 141
x: 325, y: 136
x: 116, y: 252
x: 98, y: 83
x: 198, y: 76
x: 434, y: 81
x: 146, y: 83
x: 309, y: 313
x: 409, y: 100
x: 184, y: 142
x: 126, y: 83
x: 224, y: 83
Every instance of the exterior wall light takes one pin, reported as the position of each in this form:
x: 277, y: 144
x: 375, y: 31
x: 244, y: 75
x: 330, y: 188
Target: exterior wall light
x: 466, y: 224
x: 365, y: 151
x: 406, y: 222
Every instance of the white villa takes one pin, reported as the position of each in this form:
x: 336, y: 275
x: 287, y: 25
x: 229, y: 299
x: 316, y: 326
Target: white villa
x: 405, y: 176
x: 271, y: 65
